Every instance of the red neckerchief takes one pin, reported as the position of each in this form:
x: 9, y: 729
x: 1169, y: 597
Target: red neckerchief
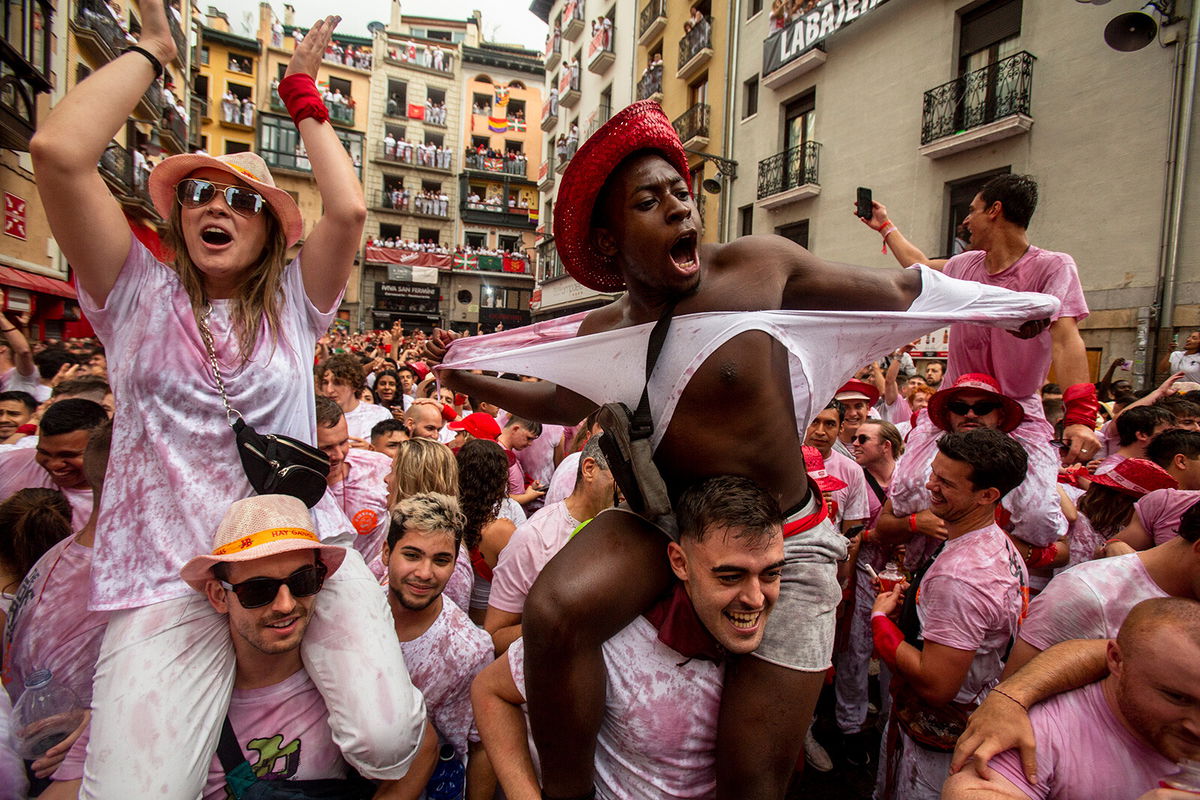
x: 681, y: 630
x: 807, y: 522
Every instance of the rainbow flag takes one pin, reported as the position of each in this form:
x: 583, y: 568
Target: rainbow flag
x: 498, y: 124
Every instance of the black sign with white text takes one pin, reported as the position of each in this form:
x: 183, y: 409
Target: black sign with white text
x: 805, y: 30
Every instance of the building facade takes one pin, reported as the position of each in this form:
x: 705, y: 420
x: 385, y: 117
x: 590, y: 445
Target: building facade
x: 838, y: 97
x: 227, y: 84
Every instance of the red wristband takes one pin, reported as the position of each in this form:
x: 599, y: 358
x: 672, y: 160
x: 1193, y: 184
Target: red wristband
x: 299, y: 93
x: 912, y: 523
x: 1081, y: 405
x: 27, y: 428
x: 1040, y: 557
x: 888, y: 638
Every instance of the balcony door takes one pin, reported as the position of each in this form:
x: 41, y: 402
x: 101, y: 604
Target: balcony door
x: 799, y: 117
x: 989, y: 34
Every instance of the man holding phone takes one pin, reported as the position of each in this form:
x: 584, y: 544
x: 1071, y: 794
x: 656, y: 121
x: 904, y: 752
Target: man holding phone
x: 1002, y: 256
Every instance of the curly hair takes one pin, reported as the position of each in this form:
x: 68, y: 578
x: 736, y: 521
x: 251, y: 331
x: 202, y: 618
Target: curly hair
x: 482, y: 486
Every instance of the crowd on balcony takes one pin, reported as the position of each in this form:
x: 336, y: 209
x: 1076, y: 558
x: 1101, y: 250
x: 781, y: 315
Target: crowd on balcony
x: 432, y: 203
x: 554, y: 40
x: 695, y: 19
x: 601, y: 34
x: 238, y: 110
x: 100, y: 16
x: 416, y: 246
x: 496, y: 204
x: 513, y: 253
x: 571, y: 73
x: 435, y: 113
x: 568, y: 143
x: 425, y: 155
x: 551, y: 109
x: 241, y: 64
x: 784, y: 12
x: 423, y: 55
x: 349, y: 55
x: 481, y: 157
x: 652, y: 75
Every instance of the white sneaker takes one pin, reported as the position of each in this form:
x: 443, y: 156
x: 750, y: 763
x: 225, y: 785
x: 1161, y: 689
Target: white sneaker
x: 815, y: 754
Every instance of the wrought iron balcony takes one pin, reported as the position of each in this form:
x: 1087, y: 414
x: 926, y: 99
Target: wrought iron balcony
x: 98, y: 29
x: 410, y: 206
x: 550, y: 114
x: 490, y: 214
x: 546, y: 173
x: 177, y: 34
x: 127, y: 183
x: 508, y: 166
x: 598, y: 118
x: 153, y: 102
x: 792, y: 169
x: 978, y: 98
x: 549, y: 264
x: 652, y: 20
x: 695, y: 49
x: 568, y: 85
x: 650, y: 85
x: 572, y: 24
x: 341, y: 114
x: 174, y: 128
x: 692, y: 125
x: 553, y: 51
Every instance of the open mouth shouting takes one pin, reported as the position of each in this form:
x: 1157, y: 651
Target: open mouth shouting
x: 215, y: 237
x: 685, y: 253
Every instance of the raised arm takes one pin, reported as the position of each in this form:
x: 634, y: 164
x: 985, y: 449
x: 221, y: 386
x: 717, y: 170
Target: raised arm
x: 329, y: 250
x: 814, y: 283
x: 904, y: 251
x: 84, y: 217
x: 22, y: 354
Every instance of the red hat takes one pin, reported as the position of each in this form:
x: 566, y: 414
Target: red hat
x: 814, y: 465
x: 858, y: 390
x: 640, y: 126
x: 419, y: 367
x: 479, y: 425
x: 1013, y: 414
x: 1136, y: 476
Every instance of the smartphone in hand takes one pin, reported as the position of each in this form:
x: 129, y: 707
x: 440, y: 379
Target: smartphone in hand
x: 863, y: 207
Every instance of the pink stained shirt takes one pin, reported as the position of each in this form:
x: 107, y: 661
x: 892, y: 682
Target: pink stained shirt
x: 442, y: 662
x: 973, y: 598
x: 49, y: 624
x: 174, y: 468
x: 1109, y: 463
x: 19, y: 470
x: 1020, y: 365
x: 1084, y: 752
x: 852, y: 501
x: 1089, y: 601
x: 362, y: 497
x: 1160, y: 512
x: 364, y: 417
x: 531, y: 547
x: 458, y: 588
x: 659, y: 733
x: 283, y: 731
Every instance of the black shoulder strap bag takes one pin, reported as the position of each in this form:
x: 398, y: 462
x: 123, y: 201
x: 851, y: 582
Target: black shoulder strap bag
x: 274, y: 464
x: 626, y: 440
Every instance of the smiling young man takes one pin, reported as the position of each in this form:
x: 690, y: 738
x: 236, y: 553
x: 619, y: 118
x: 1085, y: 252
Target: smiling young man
x: 963, y: 613
x: 16, y: 409
x: 627, y: 219
x: 57, y: 461
x: 443, y: 649
x: 658, y: 734
x: 340, y: 378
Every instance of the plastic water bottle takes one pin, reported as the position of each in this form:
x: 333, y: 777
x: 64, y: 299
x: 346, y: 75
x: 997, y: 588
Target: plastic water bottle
x: 46, y: 714
x: 1186, y: 780
x: 449, y: 778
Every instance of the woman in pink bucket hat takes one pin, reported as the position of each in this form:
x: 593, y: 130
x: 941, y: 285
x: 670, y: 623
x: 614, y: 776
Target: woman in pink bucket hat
x: 228, y: 309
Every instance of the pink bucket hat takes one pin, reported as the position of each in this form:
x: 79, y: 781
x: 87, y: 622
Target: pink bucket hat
x: 248, y: 168
x: 257, y: 527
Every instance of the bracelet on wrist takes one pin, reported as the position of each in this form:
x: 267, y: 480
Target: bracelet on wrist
x: 158, y: 67
x: 1010, y: 697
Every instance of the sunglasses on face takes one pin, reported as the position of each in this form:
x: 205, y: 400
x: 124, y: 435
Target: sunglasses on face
x: 195, y: 193
x: 981, y: 407
x: 861, y: 438
x: 258, y: 592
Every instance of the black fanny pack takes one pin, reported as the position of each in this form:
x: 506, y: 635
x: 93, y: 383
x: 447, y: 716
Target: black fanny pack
x: 274, y: 464
x: 626, y: 440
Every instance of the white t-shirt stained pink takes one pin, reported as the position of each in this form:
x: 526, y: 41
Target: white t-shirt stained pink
x: 852, y: 501
x: 19, y: 470
x: 442, y: 662
x: 972, y: 598
x: 283, y: 731
x: 174, y: 468
x: 659, y: 733
x: 1088, y: 601
x: 49, y: 624
x: 531, y: 547
x: 364, y: 417
x: 458, y: 588
x: 1020, y: 365
x: 1161, y: 510
x: 362, y: 497
x: 1084, y: 752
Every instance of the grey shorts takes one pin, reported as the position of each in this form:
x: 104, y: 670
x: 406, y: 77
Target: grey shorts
x: 800, y: 630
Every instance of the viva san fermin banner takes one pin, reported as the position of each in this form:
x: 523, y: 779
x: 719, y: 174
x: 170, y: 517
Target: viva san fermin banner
x: 804, y: 30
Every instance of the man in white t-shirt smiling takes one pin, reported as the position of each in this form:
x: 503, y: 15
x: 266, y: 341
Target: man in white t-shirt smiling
x: 340, y: 378
x: 658, y: 735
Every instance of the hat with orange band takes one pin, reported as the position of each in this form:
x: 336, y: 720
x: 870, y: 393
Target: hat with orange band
x: 257, y: 527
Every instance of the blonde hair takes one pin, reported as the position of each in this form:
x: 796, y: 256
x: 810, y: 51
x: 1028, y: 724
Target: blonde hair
x: 422, y: 466
x: 256, y: 298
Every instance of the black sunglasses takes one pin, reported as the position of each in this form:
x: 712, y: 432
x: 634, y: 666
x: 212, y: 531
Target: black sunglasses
x: 981, y: 407
x: 258, y: 592
x: 194, y: 193
x: 861, y: 438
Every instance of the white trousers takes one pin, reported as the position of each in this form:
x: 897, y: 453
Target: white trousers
x: 166, y: 672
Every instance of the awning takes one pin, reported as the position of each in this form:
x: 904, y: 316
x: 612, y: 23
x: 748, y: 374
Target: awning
x: 10, y: 276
